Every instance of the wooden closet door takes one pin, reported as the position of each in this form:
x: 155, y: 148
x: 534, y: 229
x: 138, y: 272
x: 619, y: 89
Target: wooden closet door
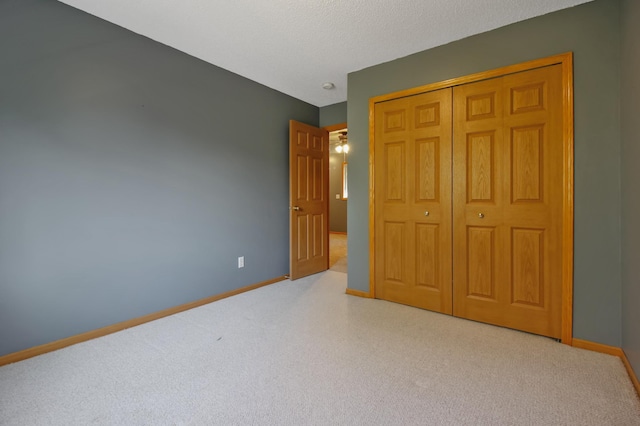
x: 507, y: 203
x: 412, y: 210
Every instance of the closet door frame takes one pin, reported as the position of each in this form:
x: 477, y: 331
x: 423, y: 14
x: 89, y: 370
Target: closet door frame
x: 566, y: 61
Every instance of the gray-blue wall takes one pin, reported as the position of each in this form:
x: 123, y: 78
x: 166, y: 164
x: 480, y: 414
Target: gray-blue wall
x: 333, y: 114
x: 592, y: 32
x: 129, y: 174
x: 132, y: 176
x: 631, y: 182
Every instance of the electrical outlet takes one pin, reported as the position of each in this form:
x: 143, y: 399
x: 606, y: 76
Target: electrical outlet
x: 337, y: 196
x: 241, y: 262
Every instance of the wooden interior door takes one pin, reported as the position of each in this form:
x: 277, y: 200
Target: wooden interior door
x: 413, y: 200
x: 507, y: 204
x: 309, y: 199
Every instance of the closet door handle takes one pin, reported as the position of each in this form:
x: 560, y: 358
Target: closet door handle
x: 481, y: 215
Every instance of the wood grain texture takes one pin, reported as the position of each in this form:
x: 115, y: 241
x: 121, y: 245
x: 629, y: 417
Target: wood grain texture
x: 358, y: 293
x: 335, y: 127
x: 567, y: 198
x: 610, y: 350
x: 597, y: 347
x: 527, y: 98
x: 564, y: 58
x: 413, y: 200
x: 372, y: 198
x: 507, y: 165
x: 632, y: 374
x: 100, y: 332
x: 309, y: 199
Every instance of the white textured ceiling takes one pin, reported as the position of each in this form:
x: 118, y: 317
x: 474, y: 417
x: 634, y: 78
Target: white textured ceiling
x: 294, y: 46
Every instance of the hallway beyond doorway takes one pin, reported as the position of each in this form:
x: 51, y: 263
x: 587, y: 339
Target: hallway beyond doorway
x: 338, y: 252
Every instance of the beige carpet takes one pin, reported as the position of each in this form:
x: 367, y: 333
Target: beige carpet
x: 304, y: 353
x: 338, y: 252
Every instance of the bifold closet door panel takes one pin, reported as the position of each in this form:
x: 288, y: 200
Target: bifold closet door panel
x: 507, y: 203
x: 412, y: 193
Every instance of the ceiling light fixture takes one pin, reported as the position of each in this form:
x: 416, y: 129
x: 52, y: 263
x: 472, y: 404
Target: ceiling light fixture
x: 328, y: 85
x: 342, y: 144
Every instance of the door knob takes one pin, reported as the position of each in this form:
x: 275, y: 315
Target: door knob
x: 426, y: 213
x: 480, y: 215
x: 296, y: 208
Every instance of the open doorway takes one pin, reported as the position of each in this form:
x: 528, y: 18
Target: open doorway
x: 338, y: 197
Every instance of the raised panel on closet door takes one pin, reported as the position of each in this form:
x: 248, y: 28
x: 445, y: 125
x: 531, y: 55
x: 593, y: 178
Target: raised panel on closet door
x: 533, y: 214
x: 507, y: 202
x: 479, y: 170
x: 413, y: 200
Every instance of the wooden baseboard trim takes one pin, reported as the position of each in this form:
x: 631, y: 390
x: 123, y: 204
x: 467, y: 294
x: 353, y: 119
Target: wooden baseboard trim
x: 610, y: 350
x: 359, y: 293
x: 632, y: 374
x: 83, y: 337
x: 597, y: 347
